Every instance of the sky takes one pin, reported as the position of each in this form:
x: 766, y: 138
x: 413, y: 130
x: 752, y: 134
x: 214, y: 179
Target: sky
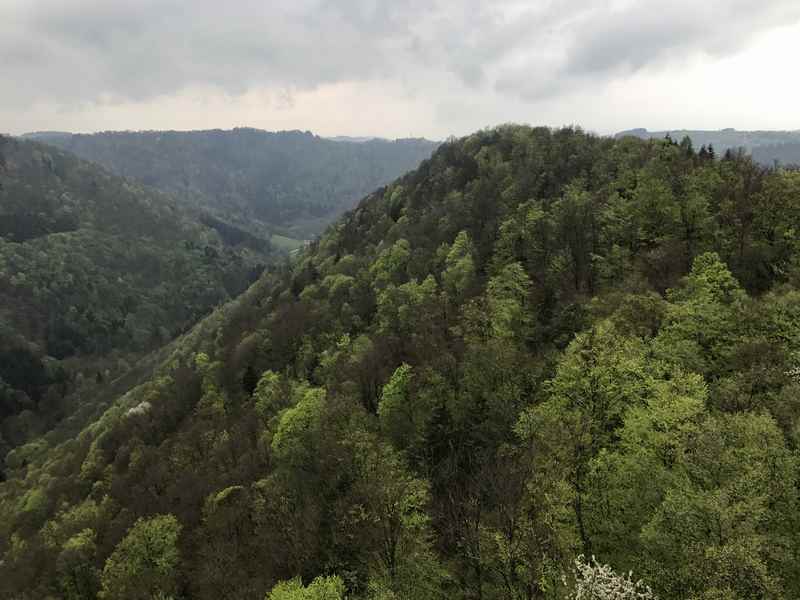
x: 398, y: 68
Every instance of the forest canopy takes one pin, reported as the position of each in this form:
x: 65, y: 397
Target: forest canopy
x: 539, y: 347
x: 288, y: 182
x: 96, y: 271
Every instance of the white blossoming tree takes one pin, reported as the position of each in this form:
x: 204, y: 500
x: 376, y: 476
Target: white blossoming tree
x: 594, y: 581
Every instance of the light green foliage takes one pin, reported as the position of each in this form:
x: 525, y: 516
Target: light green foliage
x: 202, y: 362
x: 703, y: 318
x: 507, y: 295
x: 211, y: 404
x: 322, y: 588
x: 338, y: 286
x: 390, y: 265
x: 733, y: 502
x: 459, y: 266
x: 400, y: 308
x: 523, y: 544
x: 344, y: 350
x: 600, y: 378
x: 269, y: 395
x: 214, y: 501
x: 653, y: 209
x: 78, y: 518
x: 79, y: 577
x: 22, y: 454
x: 709, y: 281
x: 627, y: 482
x: 695, y: 210
x: 394, y: 409
x: 34, y: 504
x: 295, y: 439
x: 144, y: 563
x: 393, y: 516
x: 524, y: 237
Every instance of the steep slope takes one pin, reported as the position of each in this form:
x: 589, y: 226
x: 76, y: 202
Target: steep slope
x: 94, y: 271
x: 766, y: 147
x: 538, y: 344
x: 290, y: 182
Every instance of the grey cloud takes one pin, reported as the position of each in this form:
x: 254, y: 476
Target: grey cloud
x: 79, y: 51
x: 137, y: 50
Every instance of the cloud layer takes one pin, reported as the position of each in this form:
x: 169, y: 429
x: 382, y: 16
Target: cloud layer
x: 78, y: 55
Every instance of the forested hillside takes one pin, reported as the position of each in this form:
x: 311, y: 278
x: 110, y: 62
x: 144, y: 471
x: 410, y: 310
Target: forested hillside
x: 540, y: 344
x: 766, y: 147
x: 94, y: 271
x: 784, y: 154
x: 288, y: 182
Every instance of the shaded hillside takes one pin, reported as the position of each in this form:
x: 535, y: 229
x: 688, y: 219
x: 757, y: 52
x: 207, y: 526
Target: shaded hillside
x: 293, y: 181
x: 539, y: 344
x: 784, y: 154
x: 766, y: 147
x: 95, y: 269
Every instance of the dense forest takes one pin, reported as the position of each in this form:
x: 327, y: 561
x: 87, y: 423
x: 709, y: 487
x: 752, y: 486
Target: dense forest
x: 540, y: 347
x: 766, y: 147
x: 94, y: 272
x: 290, y: 182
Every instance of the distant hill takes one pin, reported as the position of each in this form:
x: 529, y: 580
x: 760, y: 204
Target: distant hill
x: 94, y: 271
x: 289, y: 182
x: 786, y: 154
x: 46, y: 136
x: 767, y: 147
x: 353, y: 139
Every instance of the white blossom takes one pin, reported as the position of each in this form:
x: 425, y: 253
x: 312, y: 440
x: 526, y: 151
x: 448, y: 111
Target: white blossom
x: 594, y: 581
x: 140, y: 409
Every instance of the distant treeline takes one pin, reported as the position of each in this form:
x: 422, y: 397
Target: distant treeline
x: 766, y: 147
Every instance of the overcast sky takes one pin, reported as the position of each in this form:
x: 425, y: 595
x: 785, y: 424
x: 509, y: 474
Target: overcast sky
x: 398, y: 68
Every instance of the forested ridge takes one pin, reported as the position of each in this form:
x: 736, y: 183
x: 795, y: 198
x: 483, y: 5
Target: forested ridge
x: 95, y: 271
x: 287, y: 182
x: 538, y: 346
